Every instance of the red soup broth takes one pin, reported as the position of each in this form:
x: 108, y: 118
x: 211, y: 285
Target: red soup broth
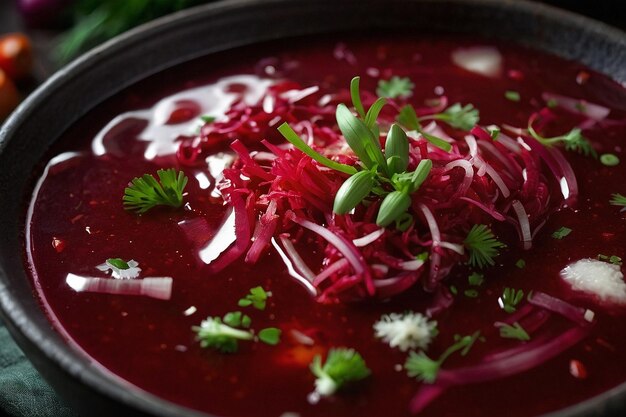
x: 77, y: 221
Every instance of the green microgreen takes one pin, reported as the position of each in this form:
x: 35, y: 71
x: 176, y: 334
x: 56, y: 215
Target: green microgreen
x: 453, y: 290
x: 552, y: 103
x: 618, y: 200
x: 482, y: 245
x: 561, y: 232
x: 509, y: 299
x: 512, y: 95
x: 521, y: 264
x: 207, y: 119
x: 342, y: 365
x: 237, y: 319
x: 515, y: 331
x: 212, y: 333
x: 257, y: 298
x: 145, y: 192
x: 615, y: 260
x: 395, y: 87
x: 609, y: 159
x: 494, y: 132
x: 573, y: 140
x: 270, y: 336
x: 476, y: 279
x: 420, y: 366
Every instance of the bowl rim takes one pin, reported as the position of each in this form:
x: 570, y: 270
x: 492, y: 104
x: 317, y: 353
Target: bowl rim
x: 26, y: 330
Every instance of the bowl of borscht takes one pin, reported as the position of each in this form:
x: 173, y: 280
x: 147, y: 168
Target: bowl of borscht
x: 318, y: 208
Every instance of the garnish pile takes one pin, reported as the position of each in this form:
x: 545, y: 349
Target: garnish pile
x: 392, y: 195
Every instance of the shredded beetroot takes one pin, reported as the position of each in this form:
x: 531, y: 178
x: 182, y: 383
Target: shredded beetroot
x: 277, y: 190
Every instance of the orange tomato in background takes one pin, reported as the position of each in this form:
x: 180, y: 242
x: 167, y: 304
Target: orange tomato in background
x: 16, y: 56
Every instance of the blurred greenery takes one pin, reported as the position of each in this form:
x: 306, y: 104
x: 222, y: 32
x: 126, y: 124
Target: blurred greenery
x: 96, y: 21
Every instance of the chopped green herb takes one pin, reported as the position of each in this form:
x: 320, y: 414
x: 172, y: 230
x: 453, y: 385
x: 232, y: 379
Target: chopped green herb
x: 609, y: 159
x: 509, y: 299
x: 573, y: 141
x: 618, y: 200
x: 476, y: 279
x: 237, y: 319
x: 483, y: 246
x: 395, y: 87
x: 453, y: 290
x: 422, y: 256
x: 212, y: 333
x: 471, y: 293
x: 494, y: 132
x: 561, y: 232
x: 118, y: 263
x: 257, y: 298
x: 420, y: 366
x: 512, y: 95
x: 271, y: 336
x: 408, y: 118
x: 342, y: 366
x: 516, y: 331
x: 207, y: 119
x: 615, y: 260
x: 458, y: 116
x: 146, y: 192
x: 521, y: 264
x: 552, y: 103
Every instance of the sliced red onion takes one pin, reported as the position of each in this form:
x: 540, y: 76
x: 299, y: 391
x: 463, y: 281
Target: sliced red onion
x: 469, y: 174
x: 369, y: 238
x: 568, y: 183
x: 197, y: 230
x: 455, y: 247
x: 578, y: 106
x: 495, y: 177
x: 155, y: 287
x: 389, y: 287
x: 472, y: 145
x: 578, y: 315
x: 492, y: 212
x: 329, y: 271
x: 343, y: 245
x: 426, y: 394
x: 295, y: 266
x: 413, y: 265
x: 435, y: 257
x: 524, y: 224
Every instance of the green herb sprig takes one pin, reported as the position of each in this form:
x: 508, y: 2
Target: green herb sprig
x: 573, y: 141
x: 257, y: 298
x: 342, y: 366
x: 420, y: 366
x: 145, y: 192
x: 618, y: 200
x: 213, y: 333
x: 515, y: 331
x: 510, y: 298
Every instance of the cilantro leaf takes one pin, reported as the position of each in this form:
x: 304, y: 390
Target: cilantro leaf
x: 483, y: 246
x: 458, y: 116
x: 270, y: 335
x: 573, y: 141
x: 342, y: 365
x: 618, y: 200
x: 395, y: 87
x: 257, y: 298
x: 145, y: 192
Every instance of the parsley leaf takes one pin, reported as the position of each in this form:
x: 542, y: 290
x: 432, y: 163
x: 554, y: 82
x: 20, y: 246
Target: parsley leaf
x: 483, y: 246
x: 257, y: 298
x: 573, y: 140
x: 395, y: 87
x: 212, y: 333
x: 476, y: 279
x: 512, y: 95
x: 420, y: 366
x: 561, y: 232
x: 515, y: 331
x: 459, y: 117
x: 145, y: 192
x: 342, y: 365
x: 237, y: 319
x: 615, y: 260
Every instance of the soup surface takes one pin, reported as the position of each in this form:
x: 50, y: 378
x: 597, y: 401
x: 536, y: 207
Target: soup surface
x: 77, y: 221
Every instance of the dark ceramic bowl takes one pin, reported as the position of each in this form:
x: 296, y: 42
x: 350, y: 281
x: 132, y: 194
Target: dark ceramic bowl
x: 73, y: 91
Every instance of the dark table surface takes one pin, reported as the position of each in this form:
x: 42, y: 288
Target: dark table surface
x: 609, y: 11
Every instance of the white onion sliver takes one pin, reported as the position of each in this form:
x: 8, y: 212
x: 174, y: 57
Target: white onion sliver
x: 369, y: 238
x: 455, y: 247
x: 524, y: 224
x: 574, y: 105
x: 495, y: 177
x: 291, y: 270
x: 413, y: 265
x: 469, y: 173
x: 155, y: 287
x: 484, y: 60
x: 471, y: 143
